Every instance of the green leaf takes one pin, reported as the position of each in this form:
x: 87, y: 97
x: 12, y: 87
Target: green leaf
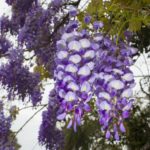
x: 135, y: 24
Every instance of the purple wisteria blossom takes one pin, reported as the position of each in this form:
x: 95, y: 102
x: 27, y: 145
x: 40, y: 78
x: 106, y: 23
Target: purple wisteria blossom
x: 94, y: 67
x: 113, y: 85
x: 49, y: 135
x: 72, y: 74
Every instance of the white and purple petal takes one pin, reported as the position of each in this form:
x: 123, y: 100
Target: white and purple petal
x: 122, y: 128
x: 85, y: 87
x: 70, y: 96
x: 107, y: 135
x: 62, y: 54
x: 104, y: 95
x: 75, y: 58
x: 128, y: 77
x: 71, y: 68
x: 116, y: 84
x: 127, y: 93
x: 67, y: 36
x: 104, y: 105
x: 73, y: 86
x: 74, y: 45
x: 61, y: 116
x: 91, y: 65
x: 67, y: 78
x: 84, y: 71
x: 85, y: 43
x: 61, y: 44
x: 89, y: 54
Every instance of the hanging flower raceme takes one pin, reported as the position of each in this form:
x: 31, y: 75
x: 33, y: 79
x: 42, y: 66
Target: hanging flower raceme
x: 49, y: 135
x: 94, y: 66
x: 113, y: 85
x: 73, y: 72
x: 20, y: 81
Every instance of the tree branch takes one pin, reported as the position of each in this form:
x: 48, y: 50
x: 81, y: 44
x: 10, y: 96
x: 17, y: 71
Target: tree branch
x: 17, y: 132
x: 142, y: 89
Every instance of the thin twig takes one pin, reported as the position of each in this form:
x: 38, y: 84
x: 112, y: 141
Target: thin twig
x: 142, y: 89
x: 32, y: 107
x: 17, y: 132
x: 142, y: 76
x: 82, y: 7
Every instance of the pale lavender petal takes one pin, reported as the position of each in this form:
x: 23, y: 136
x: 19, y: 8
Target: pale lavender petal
x: 92, y: 79
x: 87, y: 108
x: 75, y: 58
x: 106, y: 77
x: 62, y: 54
x: 117, y: 71
x: 69, y: 124
x: 70, y: 96
x: 95, y: 46
x: 77, y: 34
x: 117, y: 138
x: 128, y: 77
x: 128, y: 106
x: 84, y: 71
x: 74, y: 45
x: 100, y: 75
x: 73, y: 86
x: 91, y: 65
x: 61, y: 116
x: 133, y: 50
x: 67, y: 36
x: 98, y: 24
x: 104, y: 106
x: 62, y: 93
x: 130, y: 61
x: 85, y: 43
x: 104, y: 95
x: 75, y: 126
x: 71, y: 68
x: 116, y: 84
x: 89, y: 54
x: 85, y: 87
x: 127, y: 93
x: 61, y: 44
x: 67, y: 78
x: 122, y: 128
x: 60, y: 75
x: 107, y: 134
x: 60, y: 67
x: 78, y: 118
x: 98, y: 38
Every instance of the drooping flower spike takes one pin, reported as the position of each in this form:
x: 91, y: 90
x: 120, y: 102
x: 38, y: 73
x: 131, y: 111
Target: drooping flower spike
x: 94, y: 66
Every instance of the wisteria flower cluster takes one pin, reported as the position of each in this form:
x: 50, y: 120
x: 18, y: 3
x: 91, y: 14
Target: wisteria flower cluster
x: 113, y: 85
x: 49, y: 135
x: 4, y: 45
x: 92, y: 66
x: 73, y: 73
x: 18, y: 80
